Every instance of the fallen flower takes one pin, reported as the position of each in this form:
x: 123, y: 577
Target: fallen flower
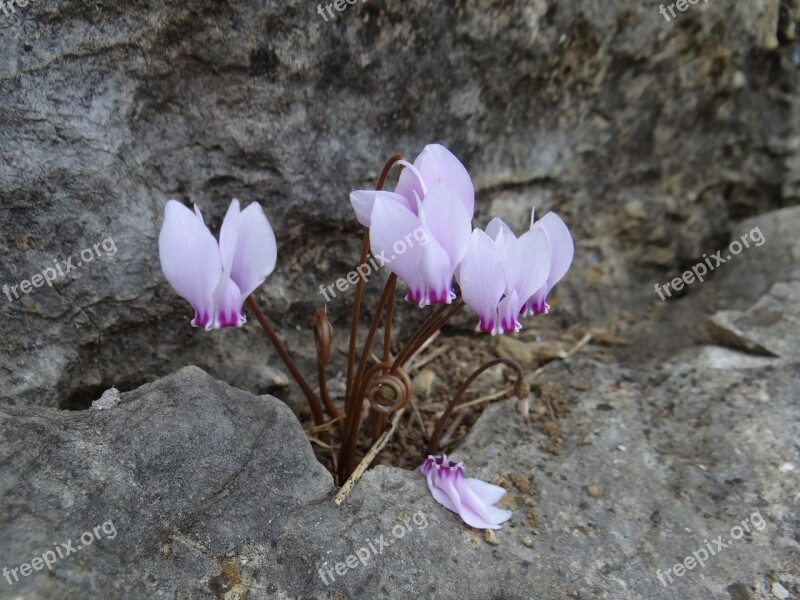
x: 214, y: 278
x: 472, y: 499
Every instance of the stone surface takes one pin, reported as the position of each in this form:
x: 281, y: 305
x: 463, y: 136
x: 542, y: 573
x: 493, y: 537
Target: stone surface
x: 214, y: 493
x: 658, y: 142
x: 649, y: 137
x: 207, y: 492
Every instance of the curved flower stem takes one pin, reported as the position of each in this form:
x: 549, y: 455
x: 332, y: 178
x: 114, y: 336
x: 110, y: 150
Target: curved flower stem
x: 313, y: 401
x: 351, y: 355
x: 323, y: 339
x: 354, y: 401
x: 521, y: 388
x: 423, y: 333
x: 330, y: 407
x: 379, y: 419
x: 432, y: 324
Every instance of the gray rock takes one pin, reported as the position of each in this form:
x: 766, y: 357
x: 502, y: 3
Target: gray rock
x: 202, y: 491
x: 653, y: 139
x: 211, y: 492
x: 649, y: 137
x: 683, y: 453
x: 179, y: 471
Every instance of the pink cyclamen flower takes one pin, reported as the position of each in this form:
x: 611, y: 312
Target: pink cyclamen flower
x: 501, y: 272
x: 421, y: 230
x: 435, y: 163
x: 216, y: 278
x: 471, y: 499
x: 562, y: 250
x: 423, y: 247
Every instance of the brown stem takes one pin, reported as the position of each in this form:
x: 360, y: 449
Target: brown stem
x: 330, y: 407
x: 387, y: 329
x: 379, y: 419
x: 378, y: 423
x: 313, y: 401
x: 351, y: 355
x: 521, y: 388
x: 431, y: 325
x: 421, y: 330
x: 323, y: 339
x: 355, y: 401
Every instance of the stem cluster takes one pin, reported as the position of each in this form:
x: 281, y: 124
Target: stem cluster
x: 385, y: 384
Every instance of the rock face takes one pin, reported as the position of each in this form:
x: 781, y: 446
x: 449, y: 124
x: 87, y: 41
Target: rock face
x: 648, y: 136
x: 178, y: 471
x: 197, y: 490
x: 656, y: 140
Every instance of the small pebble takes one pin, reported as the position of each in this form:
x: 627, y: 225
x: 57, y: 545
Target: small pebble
x: 490, y: 536
x: 593, y: 490
x: 527, y: 542
x: 109, y: 399
x: 787, y: 468
x: 779, y: 591
x: 621, y: 448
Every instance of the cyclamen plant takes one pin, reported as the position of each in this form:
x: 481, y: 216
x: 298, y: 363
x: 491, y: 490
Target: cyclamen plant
x: 500, y: 276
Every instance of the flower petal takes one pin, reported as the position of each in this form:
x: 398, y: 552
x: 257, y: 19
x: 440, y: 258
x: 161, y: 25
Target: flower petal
x: 437, y: 274
x: 471, y: 499
x: 364, y: 200
x: 256, y: 250
x: 409, y: 185
x: 228, y: 234
x: 487, y: 492
x: 190, y: 260
x: 561, y: 246
x: 537, y: 258
x: 228, y: 300
x: 445, y: 480
x: 497, y: 225
x: 482, y: 280
x: 475, y: 511
x: 508, y: 311
x: 439, y: 494
x: 391, y: 223
x: 436, y: 163
x: 537, y: 304
x: 444, y: 216
x: 509, y: 249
